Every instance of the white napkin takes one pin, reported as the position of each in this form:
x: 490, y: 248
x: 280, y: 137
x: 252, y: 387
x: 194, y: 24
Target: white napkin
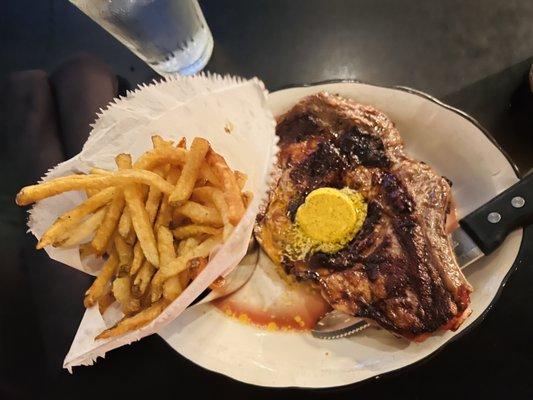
x: 229, y: 112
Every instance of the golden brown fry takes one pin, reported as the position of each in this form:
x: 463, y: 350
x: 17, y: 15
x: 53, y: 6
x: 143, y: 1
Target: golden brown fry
x: 105, y: 301
x: 74, y: 216
x: 190, y: 171
x: 106, y: 229
x: 136, y: 321
x: 186, y: 231
x: 154, y: 198
x: 101, y: 282
x: 172, y: 288
x: 160, y: 156
x: 180, y: 263
x: 141, y: 222
x: 122, y: 292
x: 207, y: 175
x: 159, y: 142
x: 200, y: 214
x: 232, y: 193
x: 138, y: 258
x: 241, y: 179
x: 125, y: 254
x: 208, y: 194
x: 78, y: 234
x: 30, y: 194
x: 203, y: 194
x: 124, y: 224
x: 123, y: 161
x: 165, y: 209
x: 165, y: 245
x: 142, y: 279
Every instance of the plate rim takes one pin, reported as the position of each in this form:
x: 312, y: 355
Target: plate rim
x: 474, y: 323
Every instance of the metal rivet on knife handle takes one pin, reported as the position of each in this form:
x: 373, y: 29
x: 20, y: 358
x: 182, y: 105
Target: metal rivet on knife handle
x: 518, y: 202
x: 494, y: 217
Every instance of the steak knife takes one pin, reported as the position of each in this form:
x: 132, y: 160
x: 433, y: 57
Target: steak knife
x: 479, y: 234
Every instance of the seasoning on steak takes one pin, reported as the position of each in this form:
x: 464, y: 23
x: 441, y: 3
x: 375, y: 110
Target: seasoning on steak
x: 399, y: 270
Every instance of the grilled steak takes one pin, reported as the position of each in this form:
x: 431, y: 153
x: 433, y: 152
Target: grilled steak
x: 399, y: 270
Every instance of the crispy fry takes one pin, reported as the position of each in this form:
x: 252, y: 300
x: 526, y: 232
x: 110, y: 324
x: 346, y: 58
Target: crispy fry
x: 180, y: 263
x: 232, y: 193
x: 141, y: 223
x: 138, y: 258
x: 203, y: 194
x: 124, y: 223
x: 105, y: 301
x: 190, y: 171
x: 33, y: 193
x: 241, y: 179
x: 215, y: 196
x: 74, y: 216
x: 122, y: 292
x: 165, y: 210
x: 134, y: 322
x: 172, y: 288
x: 142, y: 279
x: 200, y: 214
x: 125, y: 254
x: 106, y: 229
x: 160, y: 156
x: 81, y: 232
x: 154, y: 198
x: 165, y: 242
x: 208, y: 176
x: 99, y: 285
x: 158, y: 142
x: 186, y: 231
x: 165, y: 245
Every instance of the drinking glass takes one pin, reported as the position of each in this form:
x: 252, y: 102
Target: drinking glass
x: 170, y: 35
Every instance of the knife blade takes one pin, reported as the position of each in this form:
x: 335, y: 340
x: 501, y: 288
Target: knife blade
x: 480, y: 233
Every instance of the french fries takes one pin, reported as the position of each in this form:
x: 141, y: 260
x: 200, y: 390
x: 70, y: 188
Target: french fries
x: 83, y: 230
x: 232, y: 192
x: 76, y: 215
x: 99, y: 285
x: 188, y: 176
x: 31, y: 194
x: 109, y: 223
x: 155, y: 221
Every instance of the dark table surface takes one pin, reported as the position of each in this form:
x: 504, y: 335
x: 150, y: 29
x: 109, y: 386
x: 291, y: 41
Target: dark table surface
x: 472, y: 54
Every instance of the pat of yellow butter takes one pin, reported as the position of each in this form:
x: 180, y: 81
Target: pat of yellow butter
x: 328, y: 215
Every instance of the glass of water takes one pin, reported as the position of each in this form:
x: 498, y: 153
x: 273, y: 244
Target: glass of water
x: 170, y: 35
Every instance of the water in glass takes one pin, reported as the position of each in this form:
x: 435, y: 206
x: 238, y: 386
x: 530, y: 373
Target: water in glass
x: 170, y: 35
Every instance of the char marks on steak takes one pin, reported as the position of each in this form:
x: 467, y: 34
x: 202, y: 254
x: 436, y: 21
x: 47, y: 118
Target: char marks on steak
x: 399, y: 270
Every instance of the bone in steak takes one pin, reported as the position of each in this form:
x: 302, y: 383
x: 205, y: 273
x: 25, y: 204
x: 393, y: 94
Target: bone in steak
x: 399, y: 270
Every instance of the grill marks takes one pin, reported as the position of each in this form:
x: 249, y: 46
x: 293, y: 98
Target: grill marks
x: 389, y: 272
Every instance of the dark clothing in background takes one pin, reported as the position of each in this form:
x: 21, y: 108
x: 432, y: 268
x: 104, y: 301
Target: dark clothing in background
x: 47, y: 119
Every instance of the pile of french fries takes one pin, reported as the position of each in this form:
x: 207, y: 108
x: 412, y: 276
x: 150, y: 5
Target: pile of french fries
x: 155, y: 221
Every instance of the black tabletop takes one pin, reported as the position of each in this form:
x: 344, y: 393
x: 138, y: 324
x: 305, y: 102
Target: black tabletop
x: 472, y: 54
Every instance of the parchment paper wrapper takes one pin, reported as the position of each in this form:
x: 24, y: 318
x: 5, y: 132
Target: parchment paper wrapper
x: 229, y: 112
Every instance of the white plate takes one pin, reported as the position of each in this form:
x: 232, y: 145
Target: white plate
x: 456, y: 147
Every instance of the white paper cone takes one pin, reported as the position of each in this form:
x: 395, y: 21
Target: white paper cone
x: 230, y: 113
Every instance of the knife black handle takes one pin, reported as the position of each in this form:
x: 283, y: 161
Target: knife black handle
x: 490, y: 224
